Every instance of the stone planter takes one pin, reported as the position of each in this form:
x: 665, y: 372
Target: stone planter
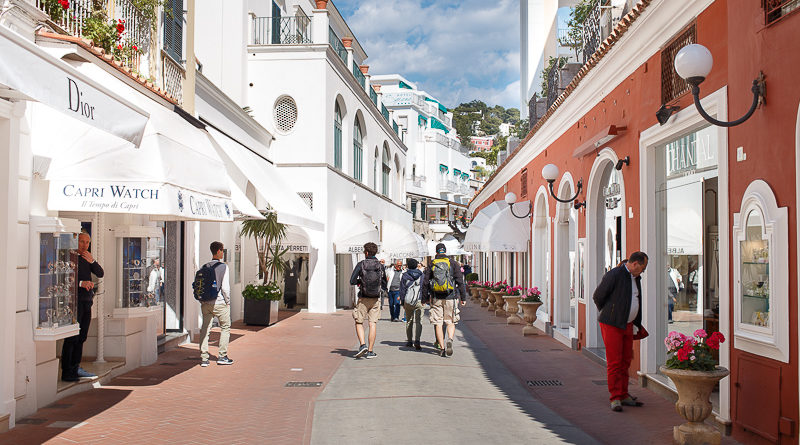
x: 484, y: 293
x: 529, y: 314
x: 493, y: 301
x: 476, y: 293
x: 694, y: 389
x: 499, y: 304
x: 512, y: 309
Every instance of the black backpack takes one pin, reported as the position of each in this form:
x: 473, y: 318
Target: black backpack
x: 205, y: 286
x: 371, y: 276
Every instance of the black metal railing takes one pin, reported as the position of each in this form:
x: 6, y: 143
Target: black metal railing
x: 774, y: 10
x: 360, y: 77
x: 553, y: 83
x: 337, y: 45
x: 592, y: 33
x: 281, y: 30
x: 373, y: 96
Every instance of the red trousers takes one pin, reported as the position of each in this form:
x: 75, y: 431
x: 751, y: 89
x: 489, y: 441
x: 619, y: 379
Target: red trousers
x: 619, y: 353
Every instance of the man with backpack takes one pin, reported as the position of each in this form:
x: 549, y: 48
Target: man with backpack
x: 442, y: 285
x: 213, y: 290
x: 410, y: 293
x: 370, y: 277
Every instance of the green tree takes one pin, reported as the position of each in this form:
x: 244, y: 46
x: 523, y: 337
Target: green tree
x: 267, y: 234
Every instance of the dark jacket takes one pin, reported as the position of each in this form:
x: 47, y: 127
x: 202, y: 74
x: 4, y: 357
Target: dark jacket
x: 460, y: 290
x: 355, y: 277
x: 613, y: 298
x: 85, y: 271
x: 409, y: 277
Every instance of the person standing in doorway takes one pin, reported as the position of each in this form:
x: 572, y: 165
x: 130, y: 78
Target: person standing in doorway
x: 220, y: 308
x: 619, y: 304
x: 443, y: 287
x: 72, y: 349
x: 155, y: 281
x: 370, y: 277
x: 395, y: 303
x: 410, y: 290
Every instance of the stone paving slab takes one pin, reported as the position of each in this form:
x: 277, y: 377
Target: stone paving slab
x: 406, y: 396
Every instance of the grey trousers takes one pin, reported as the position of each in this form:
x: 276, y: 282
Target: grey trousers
x: 413, y: 320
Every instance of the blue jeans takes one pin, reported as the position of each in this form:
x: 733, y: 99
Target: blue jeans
x: 394, y: 304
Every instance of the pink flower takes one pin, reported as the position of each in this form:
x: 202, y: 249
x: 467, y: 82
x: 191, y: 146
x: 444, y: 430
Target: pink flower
x: 700, y: 333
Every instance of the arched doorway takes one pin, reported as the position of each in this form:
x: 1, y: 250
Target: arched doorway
x: 540, y: 254
x: 605, y: 211
x: 565, y: 264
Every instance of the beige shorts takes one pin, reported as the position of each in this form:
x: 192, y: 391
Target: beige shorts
x: 369, y: 308
x: 444, y: 311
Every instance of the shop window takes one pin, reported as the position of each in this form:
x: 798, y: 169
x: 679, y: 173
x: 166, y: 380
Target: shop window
x: 761, y: 306
x: 57, y: 279
x: 673, y: 85
x: 142, y: 278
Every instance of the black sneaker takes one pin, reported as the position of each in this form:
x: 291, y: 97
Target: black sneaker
x: 224, y: 360
x: 362, y: 351
x: 409, y: 344
x: 442, y: 353
x: 417, y: 346
x: 449, y: 349
x: 204, y: 363
x: 370, y: 354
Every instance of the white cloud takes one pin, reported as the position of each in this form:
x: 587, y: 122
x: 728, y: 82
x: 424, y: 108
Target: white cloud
x: 455, y: 50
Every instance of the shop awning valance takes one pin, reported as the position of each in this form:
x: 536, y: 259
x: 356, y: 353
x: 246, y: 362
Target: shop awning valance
x: 441, y: 107
x: 32, y: 73
x: 268, y: 181
x: 443, y: 168
x: 296, y: 240
x: 352, y: 230
x: 436, y: 123
x: 422, y: 120
x: 456, y: 172
x: 472, y: 242
x: 450, y: 243
x: 398, y: 242
x: 507, y: 233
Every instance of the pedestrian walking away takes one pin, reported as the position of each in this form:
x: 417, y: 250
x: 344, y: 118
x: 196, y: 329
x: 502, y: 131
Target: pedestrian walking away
x: 410, y: 293
x: 619, y: 305
x: 370, y: 277
x: 212, y: 288
x: 443, y: 286
x: 72, y: 349
x: 394, y: 276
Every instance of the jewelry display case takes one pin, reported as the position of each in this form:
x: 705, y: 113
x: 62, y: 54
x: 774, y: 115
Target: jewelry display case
x: 140, y: 252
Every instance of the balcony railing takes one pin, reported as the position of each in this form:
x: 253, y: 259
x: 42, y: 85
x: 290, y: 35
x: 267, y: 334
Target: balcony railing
x: 452, y: 186
x: 775, y: 9
x: 373, y: 96
x: 337, y: 45
x: 395, y: 128
x: 282, y: 30
x: 172, y: 76
x: 360, y: 77
x: 385, y: 112
x: 417, y: 180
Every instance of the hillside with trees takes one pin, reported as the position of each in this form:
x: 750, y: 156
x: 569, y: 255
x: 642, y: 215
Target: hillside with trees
x: 475, y: 118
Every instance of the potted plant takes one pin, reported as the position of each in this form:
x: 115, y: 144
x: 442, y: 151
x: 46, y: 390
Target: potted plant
x: 693, y: 370
x: 261, y: 303
x: 530, y: 304
x: 495, y: 291
x: 484, y: 293
x: 267, y: 234
x: 512, y: 296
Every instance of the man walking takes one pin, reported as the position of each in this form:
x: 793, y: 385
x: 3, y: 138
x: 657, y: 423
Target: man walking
x: 220, y: 308
x: 394, y: 277
x: 410, y: 291
x: 72, y: 349
x: 619, y: 303
x: 370, y: 277
x: 443, y: 285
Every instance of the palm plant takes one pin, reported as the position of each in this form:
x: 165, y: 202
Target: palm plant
x: 267, y: 234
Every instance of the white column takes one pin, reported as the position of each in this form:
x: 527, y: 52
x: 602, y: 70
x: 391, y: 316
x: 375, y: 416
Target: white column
x: 350, y: 58
x: 99, y: 229
x: 319, y: 26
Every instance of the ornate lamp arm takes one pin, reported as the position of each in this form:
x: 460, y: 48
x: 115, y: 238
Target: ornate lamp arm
x: 578, y: 187
x: 758, y: 89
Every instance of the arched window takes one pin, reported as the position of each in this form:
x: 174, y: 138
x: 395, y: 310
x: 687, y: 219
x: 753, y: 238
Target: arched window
x: 358, y: 152
x: 375, y: 170
x: 337, y: 137
x: 386, y: 171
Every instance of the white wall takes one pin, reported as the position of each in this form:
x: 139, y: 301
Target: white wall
x: 222, y: 54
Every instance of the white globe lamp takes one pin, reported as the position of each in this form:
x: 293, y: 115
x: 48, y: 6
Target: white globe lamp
x: 693, y: 63
x: 510, y: 198
x: 550, y: 172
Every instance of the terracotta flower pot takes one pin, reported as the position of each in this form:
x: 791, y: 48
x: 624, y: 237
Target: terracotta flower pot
x: 322, y: 4
x: 484, y: 293
x: 529, y: 314
x: 512, y: 309
x: 694, y: 389
x: 347, y: 42
x: 499, y: 304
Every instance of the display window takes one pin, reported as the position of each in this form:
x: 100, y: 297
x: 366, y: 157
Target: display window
x: 141, y: 264
x: 58, y: 260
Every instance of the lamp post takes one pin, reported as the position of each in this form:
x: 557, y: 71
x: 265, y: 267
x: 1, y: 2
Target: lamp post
x: 510, y: 199
x: 550, y: 174
x: 693, y: 63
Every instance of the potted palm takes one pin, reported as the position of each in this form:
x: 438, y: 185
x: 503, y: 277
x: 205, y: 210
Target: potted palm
x: 695, y: 373
x: 261, y: 300
x: 530, y: 304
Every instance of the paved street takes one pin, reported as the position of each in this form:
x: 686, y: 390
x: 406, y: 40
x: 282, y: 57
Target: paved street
x: 479, y: 395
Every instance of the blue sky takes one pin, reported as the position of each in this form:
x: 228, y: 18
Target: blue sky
x: 456, y: 50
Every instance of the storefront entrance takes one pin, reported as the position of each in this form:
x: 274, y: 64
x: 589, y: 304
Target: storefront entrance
x: 566, y: 237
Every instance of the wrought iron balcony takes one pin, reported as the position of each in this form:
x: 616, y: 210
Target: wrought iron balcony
x: 337, y: 45
x: 281, y: 30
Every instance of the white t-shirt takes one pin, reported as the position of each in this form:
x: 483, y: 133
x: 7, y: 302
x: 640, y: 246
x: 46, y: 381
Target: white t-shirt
x: 634, y: 297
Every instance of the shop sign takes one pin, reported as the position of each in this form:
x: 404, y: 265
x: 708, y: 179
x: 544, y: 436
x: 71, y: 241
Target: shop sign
x: 295, y: 248
x: 691, y: 153
x: 612, y: 195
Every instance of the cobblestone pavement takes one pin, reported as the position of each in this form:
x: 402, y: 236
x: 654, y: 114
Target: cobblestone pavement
x: 479, y: 395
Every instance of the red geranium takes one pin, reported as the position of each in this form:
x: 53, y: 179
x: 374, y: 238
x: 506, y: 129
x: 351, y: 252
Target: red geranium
x: 120, y: 26
x: 714, y: 340
x: 64, y: 4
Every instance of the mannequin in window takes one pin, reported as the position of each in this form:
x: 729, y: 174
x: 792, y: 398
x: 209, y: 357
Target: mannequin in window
x: 291, y: 274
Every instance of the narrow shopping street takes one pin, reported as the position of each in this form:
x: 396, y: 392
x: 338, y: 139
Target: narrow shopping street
x: 480, y: 395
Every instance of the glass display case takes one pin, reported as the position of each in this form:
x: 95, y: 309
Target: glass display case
x: 754, y: 272
x: 141, y: 266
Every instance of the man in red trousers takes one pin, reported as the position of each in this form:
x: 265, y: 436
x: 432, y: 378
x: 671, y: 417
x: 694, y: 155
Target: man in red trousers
x: 619, y: 303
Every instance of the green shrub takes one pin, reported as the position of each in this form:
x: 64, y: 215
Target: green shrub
x: 270, y: 291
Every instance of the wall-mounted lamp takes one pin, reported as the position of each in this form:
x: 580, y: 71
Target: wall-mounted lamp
x: 579, y: 204
x: 511, y: 198
x: 624, y: 161
x: 693, y: 63
x: 550, y: 174
x: 663, y: 113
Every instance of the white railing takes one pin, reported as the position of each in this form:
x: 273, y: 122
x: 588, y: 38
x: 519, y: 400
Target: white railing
x: 71, y: 19
x: 172, y: 76
x: 452, y: 186
x: 442, y: 139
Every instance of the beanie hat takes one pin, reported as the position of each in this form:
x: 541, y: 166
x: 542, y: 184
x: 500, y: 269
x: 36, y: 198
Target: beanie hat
x: 411, y: 263
x: 440, y: 248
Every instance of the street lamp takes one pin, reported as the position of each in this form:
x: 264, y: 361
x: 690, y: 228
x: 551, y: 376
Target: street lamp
x: 550, y: 174
x: 511, y: 198
x: 693, y: 63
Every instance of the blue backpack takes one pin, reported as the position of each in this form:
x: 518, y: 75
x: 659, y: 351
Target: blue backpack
x: 205, y: 286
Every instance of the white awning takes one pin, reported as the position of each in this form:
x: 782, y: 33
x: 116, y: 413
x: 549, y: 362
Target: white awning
x: 507, y: 233
x: 37, y: 75
x: 352, y: 230
x: 242, y: 207
x: 472, y: 242
x: 268, y: 181
x: 175, y: 174
x: 296, y: 240
x: 399, y: 242
x: 450, y: 243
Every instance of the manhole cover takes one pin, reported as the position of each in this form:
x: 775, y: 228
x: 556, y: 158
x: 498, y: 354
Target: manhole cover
x: 600, y: 382
x: 546, y: 382
x: 30, y: 421
x: 530, y: 350
x: 303, y: 384
x: 60, y: 405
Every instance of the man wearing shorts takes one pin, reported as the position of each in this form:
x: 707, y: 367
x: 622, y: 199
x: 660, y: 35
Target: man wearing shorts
x: 370, y: 277
x: 444, y: 292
